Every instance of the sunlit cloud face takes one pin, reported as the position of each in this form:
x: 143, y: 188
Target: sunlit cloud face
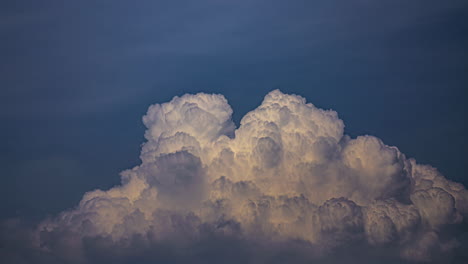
x: 286, y: 181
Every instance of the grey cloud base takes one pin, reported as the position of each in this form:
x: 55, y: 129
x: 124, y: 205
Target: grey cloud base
x: 286, y: 186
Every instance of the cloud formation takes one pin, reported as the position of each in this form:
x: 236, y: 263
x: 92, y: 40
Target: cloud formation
x: 287, y: 184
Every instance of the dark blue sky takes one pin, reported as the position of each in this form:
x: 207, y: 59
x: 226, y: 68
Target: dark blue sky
x: 77, y: 76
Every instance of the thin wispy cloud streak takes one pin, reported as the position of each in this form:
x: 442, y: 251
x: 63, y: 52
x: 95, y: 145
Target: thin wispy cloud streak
x: 287, y: 184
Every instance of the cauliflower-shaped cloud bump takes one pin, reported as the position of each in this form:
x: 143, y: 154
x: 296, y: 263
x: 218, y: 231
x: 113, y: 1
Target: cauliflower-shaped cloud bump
x: 287, y: 176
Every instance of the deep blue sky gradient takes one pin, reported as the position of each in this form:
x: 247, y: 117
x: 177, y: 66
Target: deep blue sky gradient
x: 77, y: 76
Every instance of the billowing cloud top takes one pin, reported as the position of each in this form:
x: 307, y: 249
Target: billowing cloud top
x: 286, y: 179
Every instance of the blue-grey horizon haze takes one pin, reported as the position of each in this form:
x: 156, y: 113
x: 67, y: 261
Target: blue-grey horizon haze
x: 76, y: 77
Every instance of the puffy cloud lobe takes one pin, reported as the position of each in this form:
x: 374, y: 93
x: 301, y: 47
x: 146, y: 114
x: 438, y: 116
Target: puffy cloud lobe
x: 383, y: 174
x: 387, y: 221
x: 287, y: 174
x: 436, y: 207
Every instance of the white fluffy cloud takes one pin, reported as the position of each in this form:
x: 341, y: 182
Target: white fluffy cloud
x: 288, y: 173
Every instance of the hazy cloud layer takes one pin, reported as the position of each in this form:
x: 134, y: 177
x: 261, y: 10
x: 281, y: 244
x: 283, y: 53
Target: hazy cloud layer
x: 286, y: 186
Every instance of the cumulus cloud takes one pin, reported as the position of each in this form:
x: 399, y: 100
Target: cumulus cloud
x: 287, y: 184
